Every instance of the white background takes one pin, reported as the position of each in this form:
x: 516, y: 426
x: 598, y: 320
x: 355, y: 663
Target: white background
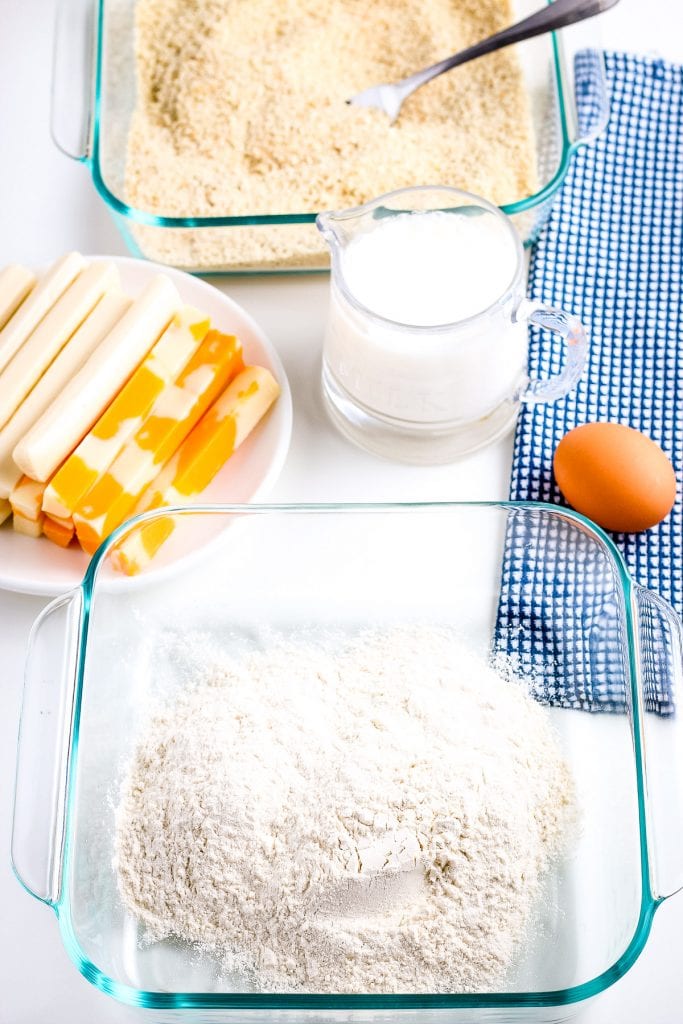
x: 48, y: 205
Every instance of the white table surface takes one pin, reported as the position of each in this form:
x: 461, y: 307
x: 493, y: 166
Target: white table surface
x: 48, y: 205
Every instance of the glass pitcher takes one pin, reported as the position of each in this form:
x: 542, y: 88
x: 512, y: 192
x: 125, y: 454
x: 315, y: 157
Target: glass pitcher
x: 431, y: 393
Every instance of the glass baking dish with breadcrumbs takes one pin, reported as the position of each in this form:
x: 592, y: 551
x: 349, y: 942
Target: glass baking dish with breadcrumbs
x: 216, y: 138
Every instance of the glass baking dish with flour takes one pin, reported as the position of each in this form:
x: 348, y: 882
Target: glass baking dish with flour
x: 94, y: 95
x: 563, y: 604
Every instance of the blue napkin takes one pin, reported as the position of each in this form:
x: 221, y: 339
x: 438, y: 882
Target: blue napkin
x: 611, y: 253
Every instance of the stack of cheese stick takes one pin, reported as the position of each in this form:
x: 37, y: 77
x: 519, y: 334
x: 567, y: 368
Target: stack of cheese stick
x: 110, y: 406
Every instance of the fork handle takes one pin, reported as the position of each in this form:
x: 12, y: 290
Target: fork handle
x: 555, y: 16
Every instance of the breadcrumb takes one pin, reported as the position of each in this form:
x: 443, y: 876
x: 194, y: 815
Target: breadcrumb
x: 240, y: 110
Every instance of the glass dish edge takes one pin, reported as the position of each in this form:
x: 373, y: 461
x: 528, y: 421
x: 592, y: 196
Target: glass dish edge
x: 310, y: 1001
x: 124, y: 213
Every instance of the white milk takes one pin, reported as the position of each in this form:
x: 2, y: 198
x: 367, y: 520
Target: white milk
x: 452, y: 353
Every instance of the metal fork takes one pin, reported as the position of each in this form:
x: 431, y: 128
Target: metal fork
x: 559, y: 14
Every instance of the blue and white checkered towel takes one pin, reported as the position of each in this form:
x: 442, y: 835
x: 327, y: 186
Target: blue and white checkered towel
x: 612, y: 254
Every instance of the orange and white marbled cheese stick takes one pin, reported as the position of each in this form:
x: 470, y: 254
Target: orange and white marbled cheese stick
x: 202, y: 454
x: 126, y: 413
x: 59, y: 531
x: 174, y: 414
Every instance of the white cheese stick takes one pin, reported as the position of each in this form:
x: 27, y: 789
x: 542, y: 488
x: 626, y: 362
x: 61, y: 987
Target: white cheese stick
x: 15, y: 284
x: 5, y: 510
x: 29, y: 527
x: 43, y: 297
x: 73, y: 356
x: 52, y: 334
x: 66, y: 421
x: 27, y: 498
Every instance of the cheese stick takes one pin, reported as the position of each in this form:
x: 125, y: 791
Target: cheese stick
x: 27, y: 498
x: 67, y: 523
x: 5, y: 510
x: 29, y: 527
x: 106, y: 505
x: 106, y: 313
x: 121, y: 419
x: 73, y: 413
x: 204, y: 451
x: 58, y: 531
x: 15, y: 284
x: 51, y: 334
x: 43, y: 297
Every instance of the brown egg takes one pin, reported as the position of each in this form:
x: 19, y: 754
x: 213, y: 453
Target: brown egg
x: 616, y: 476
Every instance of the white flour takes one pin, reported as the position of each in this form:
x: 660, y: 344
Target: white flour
x: 371, y: 817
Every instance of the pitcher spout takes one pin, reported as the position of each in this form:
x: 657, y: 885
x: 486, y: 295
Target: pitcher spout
x: 329, y: 224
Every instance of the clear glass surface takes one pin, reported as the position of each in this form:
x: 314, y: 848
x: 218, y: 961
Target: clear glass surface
x: 304, y: 570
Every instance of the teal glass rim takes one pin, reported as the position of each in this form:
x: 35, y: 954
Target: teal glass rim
x: 144, y: 217
x: 272, y: 1001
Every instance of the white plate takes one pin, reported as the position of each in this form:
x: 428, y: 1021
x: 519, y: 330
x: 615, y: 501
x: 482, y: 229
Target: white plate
x: 32, y: 566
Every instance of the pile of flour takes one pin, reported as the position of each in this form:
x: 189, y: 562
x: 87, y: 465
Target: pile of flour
x: 367, y: 815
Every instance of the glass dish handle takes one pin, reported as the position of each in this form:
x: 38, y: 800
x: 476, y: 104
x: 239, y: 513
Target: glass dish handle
x: 43, y: 748
x: 583, y: 79
x: 572, y: 330
x: 73, y: 77
x: 660, y: 635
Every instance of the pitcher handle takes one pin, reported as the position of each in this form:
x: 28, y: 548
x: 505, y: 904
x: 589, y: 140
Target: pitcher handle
x: 576, y: 343
x: 41, y: 781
